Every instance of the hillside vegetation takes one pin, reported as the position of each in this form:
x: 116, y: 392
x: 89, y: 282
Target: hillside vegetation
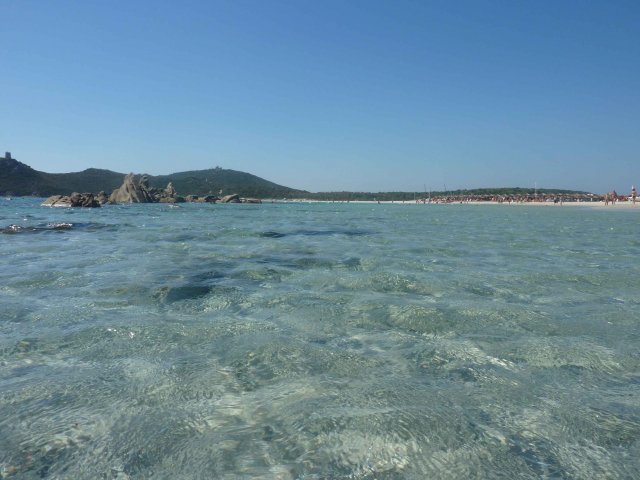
x: 18, y: 179
x: 220, y: 181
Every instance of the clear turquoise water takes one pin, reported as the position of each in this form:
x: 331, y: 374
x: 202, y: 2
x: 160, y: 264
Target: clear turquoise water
x: 312, y: 341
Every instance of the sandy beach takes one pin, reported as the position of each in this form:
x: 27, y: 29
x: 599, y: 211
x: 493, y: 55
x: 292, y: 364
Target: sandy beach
x: 610, y: 206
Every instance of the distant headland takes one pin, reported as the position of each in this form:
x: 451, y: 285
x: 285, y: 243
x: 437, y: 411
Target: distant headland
x: 19, y: 179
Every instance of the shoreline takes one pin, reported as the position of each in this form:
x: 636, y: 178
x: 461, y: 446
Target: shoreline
x: 599, y: 204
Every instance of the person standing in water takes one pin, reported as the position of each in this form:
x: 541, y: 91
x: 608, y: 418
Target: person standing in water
x: 634, y: 194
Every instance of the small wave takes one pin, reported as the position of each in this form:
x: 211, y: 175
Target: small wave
x: 13, y: 229
x: 49, y: 227
x: 57, y: 227
x: 60, y: 226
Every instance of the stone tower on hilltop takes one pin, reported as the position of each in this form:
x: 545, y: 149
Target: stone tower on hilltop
x: 7, y: 155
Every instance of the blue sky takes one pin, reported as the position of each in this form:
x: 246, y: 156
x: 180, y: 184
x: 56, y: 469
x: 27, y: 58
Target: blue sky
x: 328, y: 95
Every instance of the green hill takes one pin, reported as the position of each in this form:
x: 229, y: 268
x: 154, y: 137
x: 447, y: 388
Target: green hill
x: 91, y: 180
x: 18, y: 179
x: 218, y: 181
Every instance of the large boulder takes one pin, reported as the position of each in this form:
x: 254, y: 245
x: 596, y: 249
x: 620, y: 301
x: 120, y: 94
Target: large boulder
x: 233, y: 198
x: 57, y: 201
x: 170, y: 191
x: 102, y: 198
x: 167, y: 195
x: 174, y: 199
x: 130, y: 192
x: 198, y: 199
x: 74, y: 200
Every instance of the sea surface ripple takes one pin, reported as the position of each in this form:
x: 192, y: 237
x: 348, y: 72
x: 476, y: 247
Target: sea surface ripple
x: 313, y: 341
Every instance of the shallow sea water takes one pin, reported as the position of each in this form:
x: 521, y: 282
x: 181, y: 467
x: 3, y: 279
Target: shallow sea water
x: 319, y: 341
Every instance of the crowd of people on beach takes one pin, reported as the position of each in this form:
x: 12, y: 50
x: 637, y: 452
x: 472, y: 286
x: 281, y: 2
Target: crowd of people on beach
x: 610, y: 198
x: 557, y: 198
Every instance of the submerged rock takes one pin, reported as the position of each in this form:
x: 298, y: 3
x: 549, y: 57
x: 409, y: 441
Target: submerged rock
x: 11, y: 229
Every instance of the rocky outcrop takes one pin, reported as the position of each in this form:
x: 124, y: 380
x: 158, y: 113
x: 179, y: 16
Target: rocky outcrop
x: 139, y: 192
x: 74, y: 200
x: 130, y: 192
x: 142, y: 192
x: 168, y: 195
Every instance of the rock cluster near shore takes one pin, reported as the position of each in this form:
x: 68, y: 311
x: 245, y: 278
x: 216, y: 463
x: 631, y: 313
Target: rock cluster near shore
x: 86, y: 200
x: 140, y: 192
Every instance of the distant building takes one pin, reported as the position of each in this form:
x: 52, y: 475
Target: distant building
x: 7, y: 155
